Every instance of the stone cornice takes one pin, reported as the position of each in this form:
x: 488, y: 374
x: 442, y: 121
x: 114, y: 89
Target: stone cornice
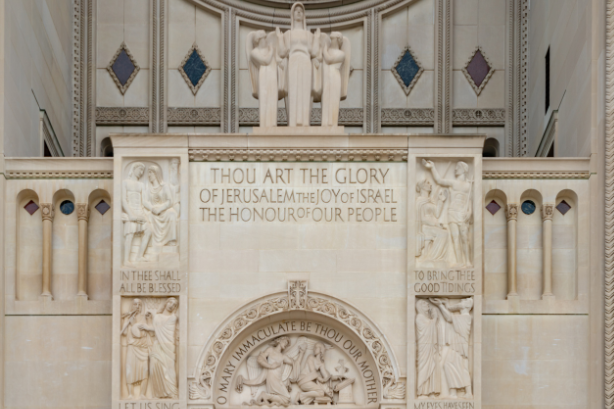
x: 298, y: 155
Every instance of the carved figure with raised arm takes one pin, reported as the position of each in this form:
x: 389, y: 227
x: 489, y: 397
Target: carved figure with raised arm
x: 432, y: 237
x: 455, y: 363
x: 134, y: 218
x: 459, y: 209
x: 315, y: 381
x: 163, y: 356
x: 429, y: 353
x: 159, y: 200
x: 299, y: 46
x: 262, y: 58
x: 272, y: 362
x: 335, y: 76
x: 138, y: 346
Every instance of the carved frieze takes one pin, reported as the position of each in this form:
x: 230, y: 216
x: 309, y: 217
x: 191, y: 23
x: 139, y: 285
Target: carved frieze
x: 408, y: 116
x: 347, y: 116
x: 478, y: 117
x: 283, y: 155
x: 194, y: 116
x: 122, y: 115
x: 443, y: 331
x: 150, y: 212
x: 149, y: 340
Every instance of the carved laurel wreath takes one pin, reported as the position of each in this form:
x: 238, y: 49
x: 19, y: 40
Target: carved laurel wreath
x: 392, y: 387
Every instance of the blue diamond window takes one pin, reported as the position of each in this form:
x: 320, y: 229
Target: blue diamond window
x: 123, y: 68
x: 407, y: 69
x: 194, y: 69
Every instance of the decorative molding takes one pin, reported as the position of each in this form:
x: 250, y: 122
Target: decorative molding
x: 122, y: 115
x: 297, y: 154
x: 153, y: 127
x: 90, y: 122
x: 376, y: 126
x: 535, y: 175
x: 226, y: 72
x: 208, y: 69
x: 443, y: 67
x: 47, y: 211
x: 511, y: 211
x: 207, y: 365
x: 479, y: 117
x: 234, y: 71
x: 449, y: 18
x: 524, y: 73
x: 407, y: 88
x: 77, y: 79
x: 369, y: 73
x: 83, y: 211
x: 609, y: 210
x: 491, y: 71
x: 347, y: 116
x: 69, y: 174
x: 194, y: 116
x: 137, y: 68
x: 547, y: 211
x: 162, y: 85
x: 408, y: 116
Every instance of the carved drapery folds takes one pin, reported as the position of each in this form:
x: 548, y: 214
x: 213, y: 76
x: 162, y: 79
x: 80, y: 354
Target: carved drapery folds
x: 444, y: 215
x: 150, y: 212
x: 149, y: 338
x: 297, y: 298
x: 443, y: 331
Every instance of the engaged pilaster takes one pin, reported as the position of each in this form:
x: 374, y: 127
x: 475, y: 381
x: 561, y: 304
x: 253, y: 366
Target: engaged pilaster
x: 547, y: 213
x: 83, y: 215
x: 511, y: 215
x: 47, y: 213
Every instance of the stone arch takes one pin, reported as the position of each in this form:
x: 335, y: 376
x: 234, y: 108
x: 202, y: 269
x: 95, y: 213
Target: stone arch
x: 288, y: 306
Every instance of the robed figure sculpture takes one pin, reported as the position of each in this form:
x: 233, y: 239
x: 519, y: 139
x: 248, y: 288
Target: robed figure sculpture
x: 300, y: 67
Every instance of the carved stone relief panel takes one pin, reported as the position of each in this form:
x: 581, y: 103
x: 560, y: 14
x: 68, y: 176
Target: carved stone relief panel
x: 444, y: 348
x: 150, y: 212
x: 149, y: 346
x: 444, y: 213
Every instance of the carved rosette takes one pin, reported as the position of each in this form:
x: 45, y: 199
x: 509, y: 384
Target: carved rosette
x: 47, y: 211
x: 83, y: 211
x: 547, y: 212
x: 511, y: 213
x: 392, y: 388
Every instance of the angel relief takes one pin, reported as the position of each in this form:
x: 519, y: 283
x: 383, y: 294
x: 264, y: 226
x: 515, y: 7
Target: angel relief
x: 300, y: 67
x: 283, y: 373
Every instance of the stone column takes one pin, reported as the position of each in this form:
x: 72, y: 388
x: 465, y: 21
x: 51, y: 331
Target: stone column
x: 83, y: 215
x: 47, y: 212
x: 511, y: 215
x: 547, y: 212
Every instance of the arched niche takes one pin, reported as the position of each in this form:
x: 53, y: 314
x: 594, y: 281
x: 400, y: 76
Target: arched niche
x: 491, y: 148
x: 349, y: 335
x: 495, y: 245
x: 529, y: 247
x: 564, y: 246
x: 100, y: 246
x: 29, y: 247
x: 65, y: 248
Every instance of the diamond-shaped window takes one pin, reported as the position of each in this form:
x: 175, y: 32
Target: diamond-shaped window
x: 563, y: 207
x: 407, y: 70
x: 123, y: 68
x: 478, y: 70
x: 31, y: 207
x: 102, y: 207
x: 194, y: 68
x: 493, y: 207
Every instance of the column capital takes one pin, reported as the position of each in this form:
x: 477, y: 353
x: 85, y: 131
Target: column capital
x: 511, y: 211
x: 47, y: 211
x: 547, y: 211
x: 83, y: 211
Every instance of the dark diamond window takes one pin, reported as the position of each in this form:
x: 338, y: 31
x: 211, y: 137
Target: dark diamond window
x: 407, y: 68
x: 563, y: 207
x: 102, y: 207
x: 123, y: 67
x: 31, y: 207
x: 528, y: 207
x: 478, y: 70
x: 67, y: 207
x: 194, y: 68
x: 493, y: 207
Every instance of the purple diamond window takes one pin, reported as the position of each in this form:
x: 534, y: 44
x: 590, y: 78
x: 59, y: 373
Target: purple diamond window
x: 31, y: 207
x: 493, y: 207
x: 123, y: 68
x: 478, y: 70
x: 563, y: 207
x: 102, y: 207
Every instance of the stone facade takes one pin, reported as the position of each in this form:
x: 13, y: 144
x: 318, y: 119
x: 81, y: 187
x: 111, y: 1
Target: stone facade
x: 386, y: 260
